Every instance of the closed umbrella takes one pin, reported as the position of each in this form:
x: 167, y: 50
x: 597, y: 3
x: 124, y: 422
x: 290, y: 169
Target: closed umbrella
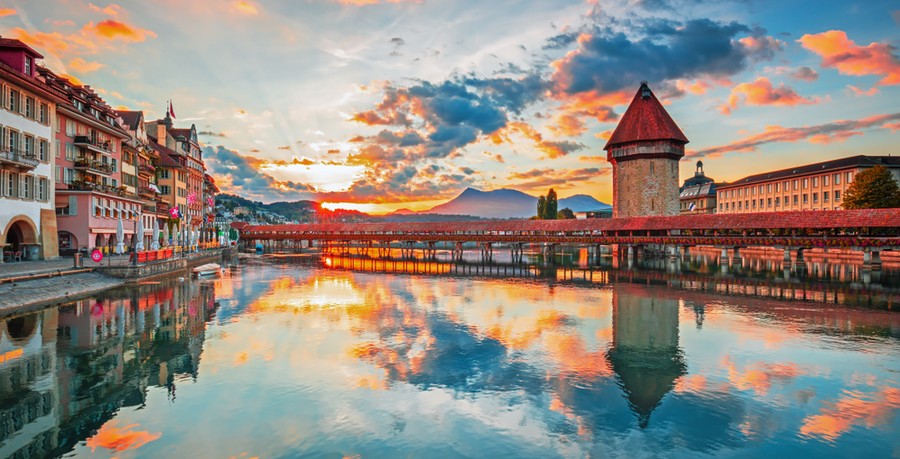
x: 155, y: 244
x: 120, y: 236
x: 139, y: 236
x: 166, y: 237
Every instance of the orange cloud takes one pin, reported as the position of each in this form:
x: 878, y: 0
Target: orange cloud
x: 759, y: 377
x: 761, y: 92
x: 839, y: 52
x: 853, y: 408
x: 112, y: 30
x: 836, y: 130
x: 245, y: 7
x: 110, y: 10
x: 859, y: 92
x: 120, y: 439
x: 72, y: 79
x: 82, y: 66
x: 7, y: 12
x: 568, y: 124
x: 552, y: 149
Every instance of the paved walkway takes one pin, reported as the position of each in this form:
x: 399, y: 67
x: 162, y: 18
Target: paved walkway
x: 16, y: 297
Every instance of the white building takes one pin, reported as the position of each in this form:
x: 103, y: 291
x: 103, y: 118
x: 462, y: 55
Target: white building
x: 27, y: 151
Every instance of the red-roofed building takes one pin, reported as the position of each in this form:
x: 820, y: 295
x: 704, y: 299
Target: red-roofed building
x: 644, y: 151
x: 183, y: 147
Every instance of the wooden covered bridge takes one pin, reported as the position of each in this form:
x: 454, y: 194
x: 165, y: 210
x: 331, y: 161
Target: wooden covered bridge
x: 869, y: 230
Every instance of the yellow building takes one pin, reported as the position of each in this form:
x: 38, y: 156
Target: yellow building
x: 819, y: 186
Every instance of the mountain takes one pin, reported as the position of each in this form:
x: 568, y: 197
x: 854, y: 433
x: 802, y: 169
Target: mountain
x: 505, y: 203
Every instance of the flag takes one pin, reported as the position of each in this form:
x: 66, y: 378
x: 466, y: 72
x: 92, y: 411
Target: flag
x: 171, y: 110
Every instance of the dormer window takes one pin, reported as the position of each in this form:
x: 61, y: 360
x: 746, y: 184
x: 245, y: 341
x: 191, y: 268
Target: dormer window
x: 28, y: 64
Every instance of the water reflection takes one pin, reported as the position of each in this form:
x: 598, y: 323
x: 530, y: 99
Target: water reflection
x: 287, y: 358
x: 66, y: 372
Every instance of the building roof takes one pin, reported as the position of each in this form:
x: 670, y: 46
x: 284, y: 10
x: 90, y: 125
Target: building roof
x: 645, y: 119
x: 13, y: 43
x: 698, y: 190
x: 825, y: 166
x: 165, y: 155
x: 131, y: 118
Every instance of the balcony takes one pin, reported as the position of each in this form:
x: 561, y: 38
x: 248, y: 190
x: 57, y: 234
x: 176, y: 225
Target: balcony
x: 18, y: 159
x: 146, y: 169
x: 84, y: 141
x: 147, y: 192
x: 93, y: 167
x: 83, y: 185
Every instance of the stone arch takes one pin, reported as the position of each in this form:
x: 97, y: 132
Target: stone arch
x: 70, y: 237
x: 20, y: 230
x: 99, y: 240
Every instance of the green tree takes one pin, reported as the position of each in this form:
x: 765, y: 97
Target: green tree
x: 565, y: 214
x: 552, y: 205
x: 873, y: 188
x: 541, y: 207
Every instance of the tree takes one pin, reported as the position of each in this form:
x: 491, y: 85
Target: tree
x: 552, y: 204
x: 565, y: 214
x: 873, y: 188
x: 542, y: 207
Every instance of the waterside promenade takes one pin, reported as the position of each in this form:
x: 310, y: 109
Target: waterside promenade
x: 32, y: 285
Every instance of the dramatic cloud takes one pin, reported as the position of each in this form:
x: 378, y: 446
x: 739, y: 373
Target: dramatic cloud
x: 240, y: 174
x: 116, y: 30
x: 543, y: 178
x: 552, y: 149
x: 805, y: 74
x: 761, y: 92
x: 841, y: 53
x: 7, y: 12
x: 822, y: 133
x: 82, y: 66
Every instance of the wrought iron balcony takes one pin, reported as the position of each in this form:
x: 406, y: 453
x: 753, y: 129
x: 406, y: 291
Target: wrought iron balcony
x: 94, y: 167
x: 93, y: 144
x: 18, y: 159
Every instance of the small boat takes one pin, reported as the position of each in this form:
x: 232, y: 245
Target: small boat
x: 207, y: 270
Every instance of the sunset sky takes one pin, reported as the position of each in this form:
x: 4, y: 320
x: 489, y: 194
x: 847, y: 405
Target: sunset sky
x: 386, y: 104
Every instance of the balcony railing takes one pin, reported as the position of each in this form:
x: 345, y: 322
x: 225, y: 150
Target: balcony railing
x: 83, y: 185
x: 146, y: 169
x: 18, y: 158
x: 147, y: 192
x: 95, y: 167
x: 93, y: 144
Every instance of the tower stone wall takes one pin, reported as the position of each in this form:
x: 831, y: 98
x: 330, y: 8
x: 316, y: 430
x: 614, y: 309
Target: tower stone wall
x: 645, y: 187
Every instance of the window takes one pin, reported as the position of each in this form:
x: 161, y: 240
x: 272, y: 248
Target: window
x: 164, y: 174
x: 44, y: 114
x: 805, y: 198
x: 837, y: 180
x: 29, y: 187
x: 815, y: 182
x: 849, y: 177
x: 777, y: 187
x: 753, y: 190
x: 747, y: 204
x: 796, y: 184
x: 70, y: 176
x: 28, y: 65
x: 12, y: 184
x: 58, y: 151
x: 805, y: 183
x: 13, y: 141
x: 43, y: 190
x: 59, y: 123
x: 754, y: 203
x: 29, y: 107
x: 769, y: 188
x: 29, y: 146
x: 825, y: 180
x: 57, y: 175
x: 114, y: 166
x: 70, y: 128
x: 165, y: 189
x: 44, y: 150
x: 815, y: 197
x: 769, y: 202
x: 796, y: 199
x: 760, y: 203
x: 70, y: 151
x: 824, y: 196
x: 777, y: 201
x: 13, y: 101
x: 837, y: 195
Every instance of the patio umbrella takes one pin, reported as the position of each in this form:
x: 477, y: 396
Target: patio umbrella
x: 166, y: 237
x: 155, y: 244
x: 139, y: 236
x: 120, y: 236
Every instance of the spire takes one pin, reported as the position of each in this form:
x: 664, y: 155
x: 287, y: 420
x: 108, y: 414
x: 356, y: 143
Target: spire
x: 645, y: 119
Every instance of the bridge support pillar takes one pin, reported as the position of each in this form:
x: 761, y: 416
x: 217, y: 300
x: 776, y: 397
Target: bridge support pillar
x: 630, y: 252
x: 787, y: 256
x: 871, y: 259
x: 736, y: 257
x: 723, y: 260
x: 686, y: 253
x: 457, y: 253
x: 516, y: 251
x: 487, y: 252
x: 674, y: 252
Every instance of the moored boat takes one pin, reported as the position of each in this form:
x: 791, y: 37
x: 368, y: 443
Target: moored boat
x: 207, y: 270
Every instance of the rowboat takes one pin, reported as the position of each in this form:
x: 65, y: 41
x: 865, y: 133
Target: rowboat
x: 207, y: 270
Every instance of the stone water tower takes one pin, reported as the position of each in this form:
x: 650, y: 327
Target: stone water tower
x: 644, y: 151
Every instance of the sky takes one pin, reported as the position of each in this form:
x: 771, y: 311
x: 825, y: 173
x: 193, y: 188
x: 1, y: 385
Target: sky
x: 378, y: 105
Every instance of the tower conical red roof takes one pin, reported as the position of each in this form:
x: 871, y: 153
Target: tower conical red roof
x: 645, y: 119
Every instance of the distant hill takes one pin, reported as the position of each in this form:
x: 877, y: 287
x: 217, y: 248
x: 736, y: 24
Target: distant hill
x: 506, y: 203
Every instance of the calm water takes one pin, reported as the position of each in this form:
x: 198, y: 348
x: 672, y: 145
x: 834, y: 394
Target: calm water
x: 290, y: 358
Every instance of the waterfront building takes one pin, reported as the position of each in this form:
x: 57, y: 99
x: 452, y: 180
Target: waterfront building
x: 818, y: 186
x: 154, y: 209
x: 27, y: 219
x: 698, y: 193
x: 182, y: 147
x: 90, y: 194
x: 171, y: 184
x: 644, y: 151
x: 210, y: 190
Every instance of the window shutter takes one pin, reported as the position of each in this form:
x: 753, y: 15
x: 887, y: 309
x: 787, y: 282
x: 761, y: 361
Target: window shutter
x: 73, y: 205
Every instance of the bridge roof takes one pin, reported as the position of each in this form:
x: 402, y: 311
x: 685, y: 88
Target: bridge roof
x: 865, y: 218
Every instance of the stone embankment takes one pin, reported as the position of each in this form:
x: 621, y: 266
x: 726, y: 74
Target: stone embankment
x: 42, y: 284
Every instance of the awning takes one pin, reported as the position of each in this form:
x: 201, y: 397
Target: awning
x: 153, y: 187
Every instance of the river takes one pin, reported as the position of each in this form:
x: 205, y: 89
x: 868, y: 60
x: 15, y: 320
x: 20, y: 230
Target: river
x: 307, y: 357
